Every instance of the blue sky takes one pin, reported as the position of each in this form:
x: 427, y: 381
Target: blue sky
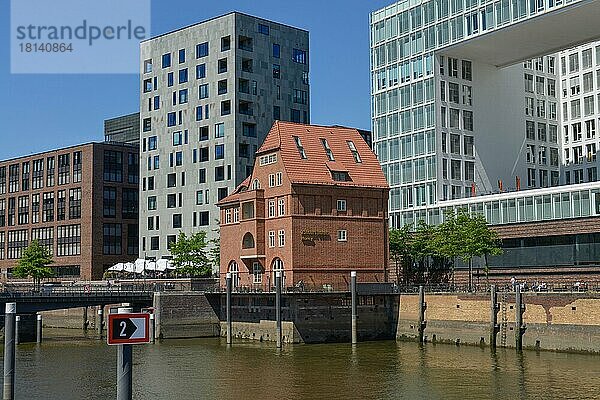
x: 43, y: 112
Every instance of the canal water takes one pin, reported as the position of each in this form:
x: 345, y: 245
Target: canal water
x: 67, y: 368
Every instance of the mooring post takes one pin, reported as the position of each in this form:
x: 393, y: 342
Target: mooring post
x: 278, y: 307
x: 39, y: 329
x: 494, y: 308
x: 100, y: 321
x: 422, y: 308
x: 86, y: 322
x: 17, y: 323
x: 9, y: 351
x: 124, y: 365
x: 152, y: 328
x: 228, y: 306
x: 519, y: 325
x: 354, y: 306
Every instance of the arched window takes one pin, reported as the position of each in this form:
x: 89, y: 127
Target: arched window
x: 277, y: 266
x: 234, y: 270
x: 248, y: 241
x: 256, y: 184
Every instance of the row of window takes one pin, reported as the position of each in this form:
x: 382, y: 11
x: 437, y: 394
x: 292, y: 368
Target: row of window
x: 572, y: 110
x: 17, y: 211
x: 580, y: 154
x: 574, y: 59
x: 68, y: 241
x: 575, y: 83
x: 30, y: 175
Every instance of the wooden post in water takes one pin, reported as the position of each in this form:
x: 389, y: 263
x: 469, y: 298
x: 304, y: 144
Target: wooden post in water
x: 519, y: 325
x: 422, y: 308
x: 494, y: 327
x: 17, y: 323
x: 228, y: 306
x: 354, y: 307
x: 278, y: 308
x: 9, y: 351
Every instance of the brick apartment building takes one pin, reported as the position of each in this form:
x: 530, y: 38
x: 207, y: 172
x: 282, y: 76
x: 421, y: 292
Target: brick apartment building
x: 80, y: 202
x: 314, y: 207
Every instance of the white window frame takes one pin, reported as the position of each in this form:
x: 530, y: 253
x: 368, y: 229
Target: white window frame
x: 281, y: 207
x: 342, y: 235
x: 257, y: 273
x: 271, y: 239
x: 341, y: 205
x: 281, y: 238
x: 272, y: 209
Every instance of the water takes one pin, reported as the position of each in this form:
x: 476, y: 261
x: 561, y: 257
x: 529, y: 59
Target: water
x: 64, y: 368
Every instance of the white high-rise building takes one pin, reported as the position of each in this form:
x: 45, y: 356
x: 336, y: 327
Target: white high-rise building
x: 209, y: 93
x: 466, y: 98
x: 580, y: 97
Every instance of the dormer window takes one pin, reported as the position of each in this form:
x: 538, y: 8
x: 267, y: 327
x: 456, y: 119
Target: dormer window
x: 300, y: 148
x: 327, y: 150
x: 255, y: 184
x: 354, y: 151
x: 268, y: 159
x: 340, y: 176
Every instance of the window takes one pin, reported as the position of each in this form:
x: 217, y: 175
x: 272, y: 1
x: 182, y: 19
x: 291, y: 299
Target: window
x: 171, y: 119
x: 467, y: 120
x: 112, y: 239
x: 110, y: 202
x: 453, y: 67
x: 342, y: 235
x: 327, y: 149
x: 68, y: 240
x: 280, y: 207
x: 247, y: 65
x: 271, y: 238
x: 341, y: 205
x: 271, y: 208
x: 586, y: 58
x: 300, y: 97
x: 279, y: 178
x: 166, y: 60
x: 203, y: 133
x: 202, y: 50
x: 113, y: 166
x: 147, y: 85
x: 183, y: 75
x: 264, y: 29
x: 573, y: 62
x: 257, y: 272
x: 299, y: 56
x: 183, y: 96
x: 467, y: 68
x: 170, y: 79
x: 281, y: 236
x: 529, y: 83
x: 219, y: 151
x: 226, y: 107
x: 245, y: 43
x: 276, y: 50
x: 129, y: 206
x: 453, y: 94
x: 219, y: 173
x: 176, y: 221
x: 74, y: 203
x: 203, y: 91
x: 276, y: 71
x: 203, y: 154
x: 248, y: 129
x: 200, y: 71
x: 225, y: 43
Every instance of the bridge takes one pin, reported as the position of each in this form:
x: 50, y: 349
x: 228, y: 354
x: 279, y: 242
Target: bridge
x: 29, y: 302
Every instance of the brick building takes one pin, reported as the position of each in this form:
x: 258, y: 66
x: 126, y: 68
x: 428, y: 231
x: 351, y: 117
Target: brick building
x: 314, y: 207
x: 80, y: 202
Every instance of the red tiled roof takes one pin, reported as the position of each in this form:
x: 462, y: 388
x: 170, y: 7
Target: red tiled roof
x: 316, y: 167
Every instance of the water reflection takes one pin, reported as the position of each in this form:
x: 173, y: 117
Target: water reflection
x: 197, y: 369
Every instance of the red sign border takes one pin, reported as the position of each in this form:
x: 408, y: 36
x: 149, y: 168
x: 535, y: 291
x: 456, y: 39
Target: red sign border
x: 109, y: 331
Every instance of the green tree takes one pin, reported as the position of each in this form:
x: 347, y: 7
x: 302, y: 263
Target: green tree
x: 190, y: 254
x: 400, y: 249
x: 34, y: 263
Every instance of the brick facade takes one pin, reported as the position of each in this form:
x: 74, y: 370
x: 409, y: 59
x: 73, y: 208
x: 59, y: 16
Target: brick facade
x: 307, y: 217
x: 86, y: 259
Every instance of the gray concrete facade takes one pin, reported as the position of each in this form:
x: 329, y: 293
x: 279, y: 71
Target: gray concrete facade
x: 200, y: 128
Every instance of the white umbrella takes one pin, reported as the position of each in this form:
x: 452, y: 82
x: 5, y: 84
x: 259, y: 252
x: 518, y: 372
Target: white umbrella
x: 140, y: 264
x: 161, y: 265
x: 151, y: 266
x: 117, y: 267
x: 129, y: 267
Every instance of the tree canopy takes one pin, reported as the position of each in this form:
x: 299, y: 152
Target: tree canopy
x: 190, y: 255
x: 427, y: 254
x: 34, y: 263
